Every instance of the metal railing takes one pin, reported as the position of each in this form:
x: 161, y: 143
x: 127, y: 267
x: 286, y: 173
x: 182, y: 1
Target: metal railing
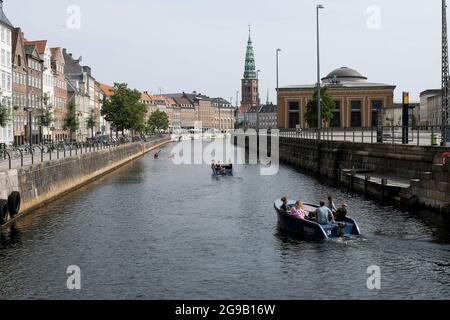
x: 29, y: 155
x: 419, y: 136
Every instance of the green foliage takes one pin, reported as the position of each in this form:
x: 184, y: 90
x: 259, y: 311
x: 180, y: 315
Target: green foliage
x: 158, y: 121
x: 46, y: 117
x: 241, y: 124
x: 327, y: 105
x: 71, y: 119
x: 4, y: 115
x: 91, y: 122
x: 123, y: 109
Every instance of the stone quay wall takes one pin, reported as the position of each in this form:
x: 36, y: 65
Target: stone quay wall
x: 327, y: 157
x: 41, y: 183
x: 422, y: 165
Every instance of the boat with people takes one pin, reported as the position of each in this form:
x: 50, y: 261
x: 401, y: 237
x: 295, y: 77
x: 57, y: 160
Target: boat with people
x: 222, y: 169
x: 308, y: 227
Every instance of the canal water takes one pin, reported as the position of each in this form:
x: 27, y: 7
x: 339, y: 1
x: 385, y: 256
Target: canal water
x: 155, y: 230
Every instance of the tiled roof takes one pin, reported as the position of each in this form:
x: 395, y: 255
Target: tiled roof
x: 145, y: 96
x: 107, y: 90
x: 269, y: 108
x: 40, y: 45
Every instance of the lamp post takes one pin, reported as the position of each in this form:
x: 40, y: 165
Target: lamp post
x: 278, y: 86
x: 257, y: 102
x: 319, y: 116
x: 220, y: 122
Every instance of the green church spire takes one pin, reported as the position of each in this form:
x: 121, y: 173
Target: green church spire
x: 250, y: 67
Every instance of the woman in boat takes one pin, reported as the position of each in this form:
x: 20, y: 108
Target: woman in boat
x: 331, y: 204
x: 284, y: 206
x: 298, y: 210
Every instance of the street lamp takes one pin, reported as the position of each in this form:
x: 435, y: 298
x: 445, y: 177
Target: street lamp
x: 257, y: 101
x: 319, y: 120
x: 278, y: 52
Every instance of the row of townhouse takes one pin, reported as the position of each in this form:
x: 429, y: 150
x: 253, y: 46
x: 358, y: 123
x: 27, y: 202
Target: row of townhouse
x: 191, y: 110
x: 188, y: 110
x: 35, y: 80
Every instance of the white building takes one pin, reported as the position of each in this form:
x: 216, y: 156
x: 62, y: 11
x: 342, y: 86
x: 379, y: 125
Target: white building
x: 48, y: 79
x: 6, y: 27
x: 424, y: 112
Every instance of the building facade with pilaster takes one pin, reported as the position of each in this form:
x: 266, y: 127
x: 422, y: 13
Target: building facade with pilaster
x: 20, y: 87
x: 60, y: 96
x: 35, y: 65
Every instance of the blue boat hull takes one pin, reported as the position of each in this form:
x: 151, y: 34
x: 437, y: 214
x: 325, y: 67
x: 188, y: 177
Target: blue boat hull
x: 310, y: 229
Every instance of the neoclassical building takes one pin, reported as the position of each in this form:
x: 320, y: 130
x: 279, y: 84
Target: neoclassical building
x: 358, y: 102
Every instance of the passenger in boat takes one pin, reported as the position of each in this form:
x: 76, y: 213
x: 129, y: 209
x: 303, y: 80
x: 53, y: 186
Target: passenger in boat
x: 284, y: 206
x: 341, y: 213
x: 298, y: 210
x: 331, y: 205
x: 324, y: 215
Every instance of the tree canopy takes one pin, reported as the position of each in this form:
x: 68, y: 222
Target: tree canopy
x: 46, y: 117
x: 123, y: 109
x: 158, y: 121
x: 327, y: 105
x: 91, y: 122
x: 71, y: 120
x: 4, y: 115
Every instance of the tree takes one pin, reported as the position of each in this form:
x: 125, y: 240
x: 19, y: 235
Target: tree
x: 71, y: 119
x: 91, y: 123
x: 136, y: 117
x: 4, y: 116
x: 158, y: 121
x: 46, y: 117
x: 327, y: 105
x: 123, y: 108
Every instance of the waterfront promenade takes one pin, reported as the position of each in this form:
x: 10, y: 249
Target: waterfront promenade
x: 390, y: 135
x: 40, y: 155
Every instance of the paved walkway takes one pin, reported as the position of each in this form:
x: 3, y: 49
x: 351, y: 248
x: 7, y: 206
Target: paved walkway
x: 422, y: 138
x: 38, y: 157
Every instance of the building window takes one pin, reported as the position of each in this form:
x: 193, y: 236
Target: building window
x: 377, y: 105
x: 336, y: 120
x: 294, y: 106
x: 356, y: 114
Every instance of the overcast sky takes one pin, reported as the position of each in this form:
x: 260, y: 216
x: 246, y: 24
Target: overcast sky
x: 186, y: 45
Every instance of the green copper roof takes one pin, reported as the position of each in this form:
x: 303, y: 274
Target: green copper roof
x: 250, y: 67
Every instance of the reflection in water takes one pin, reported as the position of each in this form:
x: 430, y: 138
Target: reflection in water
x: 10, y: 237
x: 155, y: 230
